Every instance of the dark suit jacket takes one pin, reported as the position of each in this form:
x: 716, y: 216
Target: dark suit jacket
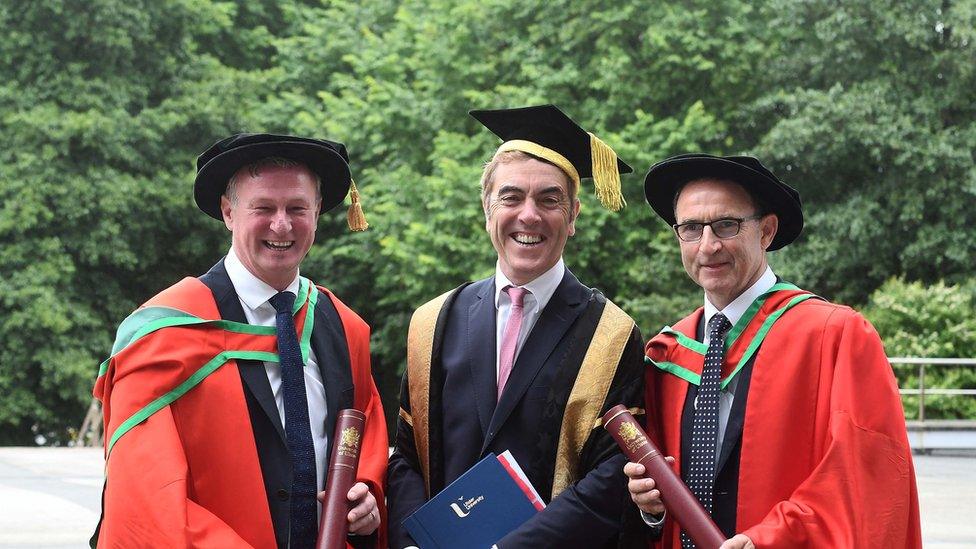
x: 726, y: 488
x: 526, y: 420
x: 332, y: 354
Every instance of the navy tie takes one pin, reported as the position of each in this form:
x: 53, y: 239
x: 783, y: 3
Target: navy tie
x: 704, y: 428
x: 303, y: 528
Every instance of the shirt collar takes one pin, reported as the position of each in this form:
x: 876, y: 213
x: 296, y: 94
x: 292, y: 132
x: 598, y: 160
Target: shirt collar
x: 734, y: 311
x: 253, y: 291
x: 542, y: 287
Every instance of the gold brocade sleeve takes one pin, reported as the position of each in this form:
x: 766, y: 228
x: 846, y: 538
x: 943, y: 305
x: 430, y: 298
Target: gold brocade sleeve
x: 420, y: 346
x: 586, y: 400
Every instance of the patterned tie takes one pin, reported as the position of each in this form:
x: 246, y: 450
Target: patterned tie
x: 704, y: 429
x: 303, y: 528
x: 506, y: 356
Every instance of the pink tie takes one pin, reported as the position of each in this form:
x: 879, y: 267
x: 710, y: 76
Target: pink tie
x: 506, y: 356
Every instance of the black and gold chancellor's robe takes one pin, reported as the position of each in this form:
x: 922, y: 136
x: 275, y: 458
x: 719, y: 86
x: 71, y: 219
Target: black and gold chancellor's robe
x: 583, y: 356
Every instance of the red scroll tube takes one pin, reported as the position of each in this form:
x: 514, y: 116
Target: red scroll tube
x: 677, y: 498
x: 348, y: 435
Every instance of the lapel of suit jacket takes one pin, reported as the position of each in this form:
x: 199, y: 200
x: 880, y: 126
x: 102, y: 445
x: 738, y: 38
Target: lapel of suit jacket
x: 252, y: 371
x: 480, y: 342
x: 566, y: 304
x: 332, y: 353
x: 733, y: 429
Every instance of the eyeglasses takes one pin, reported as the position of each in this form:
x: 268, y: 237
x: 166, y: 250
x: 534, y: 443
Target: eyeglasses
x: 727, y: 227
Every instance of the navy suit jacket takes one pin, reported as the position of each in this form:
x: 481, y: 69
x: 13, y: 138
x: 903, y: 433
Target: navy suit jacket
x: 332, y: 354
x: 526, y: 421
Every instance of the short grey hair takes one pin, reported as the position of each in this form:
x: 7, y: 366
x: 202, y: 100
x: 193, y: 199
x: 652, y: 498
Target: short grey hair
x: 488, y: 175
x: 254, y: 169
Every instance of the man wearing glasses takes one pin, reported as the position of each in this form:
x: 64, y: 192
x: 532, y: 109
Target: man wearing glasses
x: 779, y: 407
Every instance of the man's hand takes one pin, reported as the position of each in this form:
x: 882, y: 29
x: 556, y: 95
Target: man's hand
x: 643, y: 490
x: 738, y: 541
x: 364, y: 517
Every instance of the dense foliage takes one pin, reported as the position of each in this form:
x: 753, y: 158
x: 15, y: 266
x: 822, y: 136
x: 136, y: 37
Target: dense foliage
x: 929, y: 321
x: 866, y: 107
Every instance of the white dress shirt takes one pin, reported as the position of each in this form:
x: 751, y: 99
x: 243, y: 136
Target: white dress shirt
x: 540, y: 292
x: 254, y: 295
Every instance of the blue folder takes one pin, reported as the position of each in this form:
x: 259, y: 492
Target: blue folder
x: 474, y: 511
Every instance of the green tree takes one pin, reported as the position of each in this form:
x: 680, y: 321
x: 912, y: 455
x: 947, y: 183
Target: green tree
x: 102, y: 106
x: 863, y: 106
x: 918, y: 320
x: 868, y: 116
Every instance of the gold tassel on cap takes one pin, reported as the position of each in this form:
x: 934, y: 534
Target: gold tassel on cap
x: 355, y: 215
x: 606, y: 178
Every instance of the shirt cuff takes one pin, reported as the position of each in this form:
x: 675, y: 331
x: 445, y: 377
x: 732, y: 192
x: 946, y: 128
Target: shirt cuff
x: 654, y: 521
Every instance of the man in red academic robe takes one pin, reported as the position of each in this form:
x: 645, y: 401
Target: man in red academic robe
x: 222, y: 391
x: 779, y: 408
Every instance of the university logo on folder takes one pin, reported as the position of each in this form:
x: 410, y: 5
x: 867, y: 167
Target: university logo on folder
x: 488, y: 501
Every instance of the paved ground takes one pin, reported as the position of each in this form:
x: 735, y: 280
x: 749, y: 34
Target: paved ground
x: 946, y: 485
x: 50, y: 497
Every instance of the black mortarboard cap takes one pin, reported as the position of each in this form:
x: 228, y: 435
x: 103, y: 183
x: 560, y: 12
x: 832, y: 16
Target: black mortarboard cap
x: 545, y: 131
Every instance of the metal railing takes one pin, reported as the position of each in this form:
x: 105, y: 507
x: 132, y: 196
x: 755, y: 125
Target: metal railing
x: 922, y: 390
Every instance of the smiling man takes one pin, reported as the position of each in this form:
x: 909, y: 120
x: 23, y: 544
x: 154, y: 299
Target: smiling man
x: 222, y: 391
x: 781, y: 409
x: 528, y: 359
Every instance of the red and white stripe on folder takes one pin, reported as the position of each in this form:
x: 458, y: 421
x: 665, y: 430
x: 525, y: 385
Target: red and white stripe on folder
x: 518, y: 475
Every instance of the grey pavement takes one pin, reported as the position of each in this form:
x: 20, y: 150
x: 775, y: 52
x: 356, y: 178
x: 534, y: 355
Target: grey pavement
x: 50, y: 497
x: 946, y: 488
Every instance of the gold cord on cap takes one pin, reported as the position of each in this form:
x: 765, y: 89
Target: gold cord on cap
x: 355, y: 216
x: 606, y: 178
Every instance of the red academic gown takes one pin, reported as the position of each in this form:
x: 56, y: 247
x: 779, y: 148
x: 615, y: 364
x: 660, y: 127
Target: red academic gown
x: 825, y: 459
x: 182, y: 467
